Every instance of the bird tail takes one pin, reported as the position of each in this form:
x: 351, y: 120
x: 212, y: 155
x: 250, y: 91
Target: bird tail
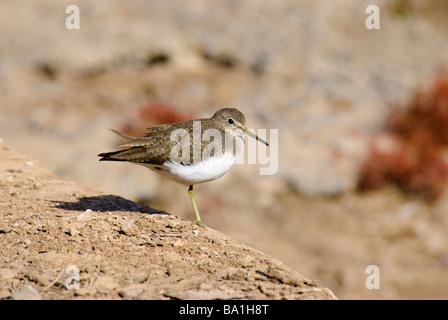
x: 133, y: 153
x: 109, y: 156
x: 131, y: 141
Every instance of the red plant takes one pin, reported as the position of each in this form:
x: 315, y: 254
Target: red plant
x: 153, y: 114
x: 426, y: 117
x: 160, y: 113
x: 420, y: 133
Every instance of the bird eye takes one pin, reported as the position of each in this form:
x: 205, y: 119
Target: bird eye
x: 230, y: 121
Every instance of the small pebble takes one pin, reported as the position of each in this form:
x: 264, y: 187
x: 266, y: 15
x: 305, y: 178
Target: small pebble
x: 128, y: 227
x: 86, y: 215
x: 27, y: 293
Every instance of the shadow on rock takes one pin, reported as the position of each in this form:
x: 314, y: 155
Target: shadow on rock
x: 106, y: 203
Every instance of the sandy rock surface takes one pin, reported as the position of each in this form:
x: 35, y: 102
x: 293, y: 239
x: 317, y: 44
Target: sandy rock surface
x: 59, y: 240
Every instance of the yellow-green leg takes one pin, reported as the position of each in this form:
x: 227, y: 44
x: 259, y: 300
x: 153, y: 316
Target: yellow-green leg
x: 196, y: 212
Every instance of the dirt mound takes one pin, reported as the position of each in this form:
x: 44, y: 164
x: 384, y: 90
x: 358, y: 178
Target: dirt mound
x: 59, y: 240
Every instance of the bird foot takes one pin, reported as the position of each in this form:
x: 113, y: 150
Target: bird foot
x: 199, y: 223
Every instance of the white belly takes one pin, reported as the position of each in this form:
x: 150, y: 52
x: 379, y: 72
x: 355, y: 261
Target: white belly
x: 207, y: 170
x: 204, y: 171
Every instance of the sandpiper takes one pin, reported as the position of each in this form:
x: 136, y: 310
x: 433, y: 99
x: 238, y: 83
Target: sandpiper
x: 189, y: 152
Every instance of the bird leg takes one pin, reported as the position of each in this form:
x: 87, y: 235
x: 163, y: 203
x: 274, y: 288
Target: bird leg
x: 198, y: 217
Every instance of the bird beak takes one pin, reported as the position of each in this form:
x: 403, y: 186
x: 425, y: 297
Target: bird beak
x: 253, y: 135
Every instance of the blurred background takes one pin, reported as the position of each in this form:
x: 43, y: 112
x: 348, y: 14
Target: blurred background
x: 360, y: 116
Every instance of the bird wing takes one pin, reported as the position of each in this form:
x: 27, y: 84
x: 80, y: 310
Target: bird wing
x: 154, y: 148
